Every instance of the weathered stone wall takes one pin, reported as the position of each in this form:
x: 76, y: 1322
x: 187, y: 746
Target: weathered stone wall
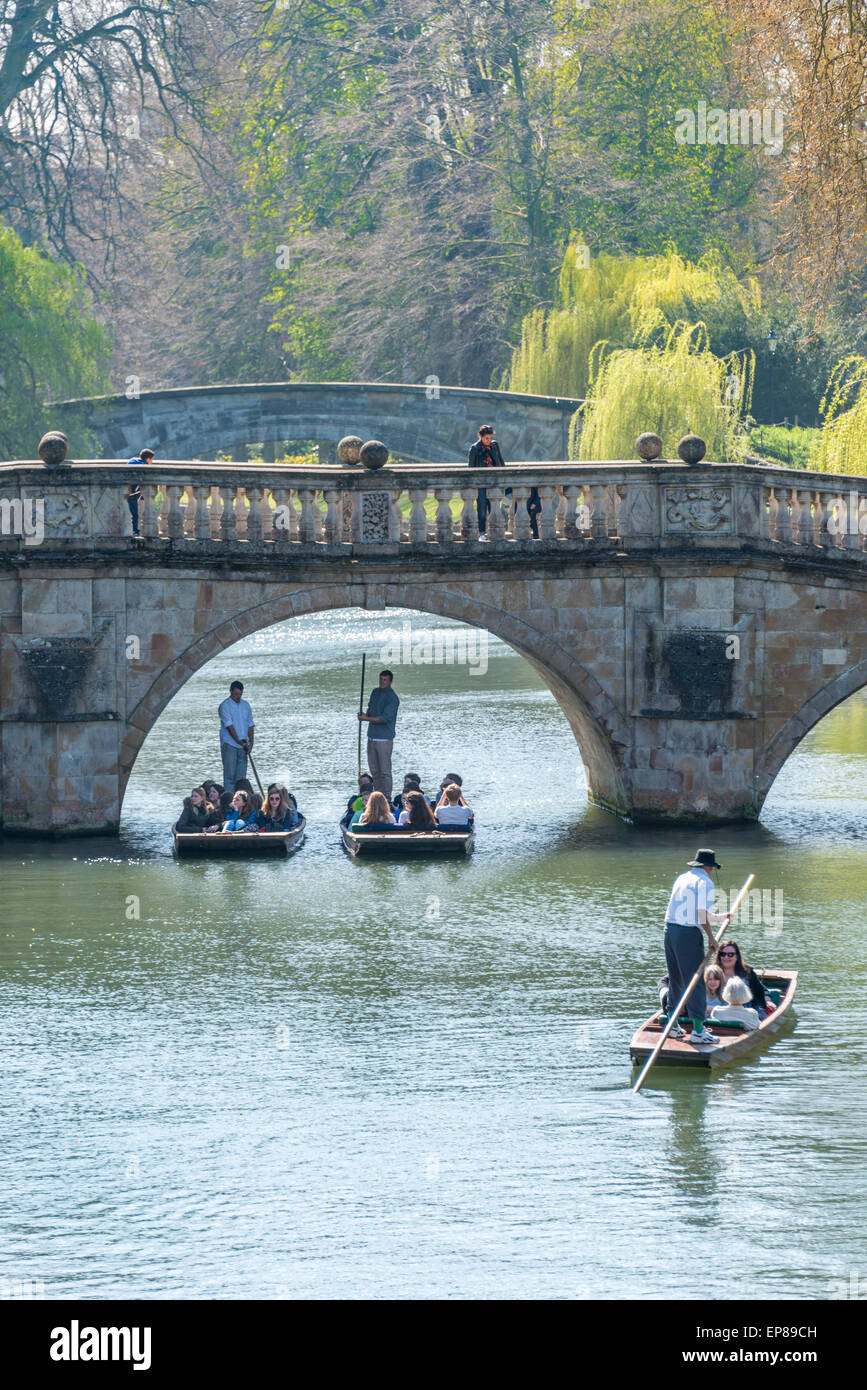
x: 431, y: 424
x: 664, y: 734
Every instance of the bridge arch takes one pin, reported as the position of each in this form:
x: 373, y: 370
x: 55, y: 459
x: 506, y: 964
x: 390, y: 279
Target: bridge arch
x: 599, y: 729
x: 428, y: 424
x: 786, y: 740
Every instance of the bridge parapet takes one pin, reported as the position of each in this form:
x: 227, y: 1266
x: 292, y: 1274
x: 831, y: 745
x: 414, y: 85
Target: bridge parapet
x: 191, y: 507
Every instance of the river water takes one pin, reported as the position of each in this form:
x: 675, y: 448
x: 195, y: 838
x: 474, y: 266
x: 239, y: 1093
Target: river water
x: 323, y: 1078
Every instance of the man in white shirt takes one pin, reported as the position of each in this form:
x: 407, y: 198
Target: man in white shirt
x: 689, y: 912
x: 236, y: 735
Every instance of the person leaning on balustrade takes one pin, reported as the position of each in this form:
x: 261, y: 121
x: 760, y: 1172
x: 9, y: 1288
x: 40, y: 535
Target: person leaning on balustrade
x: 133, y: 496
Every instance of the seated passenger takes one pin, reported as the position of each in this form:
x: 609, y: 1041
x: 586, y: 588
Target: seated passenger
x: 714, y: 979
x: 452, y: 809
x: 213, y: 791
x: 377, y: 811
x: 278, y: 813
x: 418, y: 814
x: 281, y: 787
x: 411, y: 783
x: 736, y: 994
x: 240, y: 815
x: 198, y: 813
x: 450, y: 779
x: 243, y: 785
x: 355, y: 804
x: 364, y: 798
x: 729, y: 958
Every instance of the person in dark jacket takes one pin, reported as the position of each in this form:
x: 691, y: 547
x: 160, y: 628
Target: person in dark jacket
x: 485, y: 453
x: 198, y: 813
x: 133, y: 493
x: 278, y: 813
x: 729, y: 959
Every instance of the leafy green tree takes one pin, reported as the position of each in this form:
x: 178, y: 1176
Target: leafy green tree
x: 51, y: 347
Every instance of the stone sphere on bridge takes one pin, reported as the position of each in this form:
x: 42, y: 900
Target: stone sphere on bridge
x: 691, y: 449
x: 349, y: 448
x: 53, y: 448
x: 374, y: 454
x: 648, y: 446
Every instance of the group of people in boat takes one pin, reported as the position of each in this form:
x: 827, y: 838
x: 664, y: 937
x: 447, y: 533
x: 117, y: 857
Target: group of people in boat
x: 729, y: 991
x: 411, y: 807
x: 211, y: 808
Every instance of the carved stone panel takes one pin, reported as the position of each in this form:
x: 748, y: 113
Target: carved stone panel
x: 66, y: 514
x: 698, y: 509
x: 375, y: 517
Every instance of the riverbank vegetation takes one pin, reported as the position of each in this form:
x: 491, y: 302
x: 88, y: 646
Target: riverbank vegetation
x: 258, y: 190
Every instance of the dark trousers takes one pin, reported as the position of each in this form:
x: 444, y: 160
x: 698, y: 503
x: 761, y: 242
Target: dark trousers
x: 534, y: 506
x: 684, y: 953
x: 483, y: 506
x: 132, y: 503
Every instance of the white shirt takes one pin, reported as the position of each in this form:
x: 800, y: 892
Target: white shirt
x: 453, y: 815
x: 237, y: 713
x: 692, y: 892
x: 735, y: 1013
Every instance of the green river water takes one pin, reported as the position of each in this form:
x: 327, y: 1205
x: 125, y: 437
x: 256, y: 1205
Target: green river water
x: 322, y: 1078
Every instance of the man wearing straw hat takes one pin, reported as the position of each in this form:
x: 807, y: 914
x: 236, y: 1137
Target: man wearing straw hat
x: 689, y: 912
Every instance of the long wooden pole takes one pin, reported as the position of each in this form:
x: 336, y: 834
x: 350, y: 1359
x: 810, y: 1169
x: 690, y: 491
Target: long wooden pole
x: 256, y: 775
x: 361, y: 710
x: 675, y: 1013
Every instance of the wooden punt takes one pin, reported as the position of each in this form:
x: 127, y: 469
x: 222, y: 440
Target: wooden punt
x: 734, y: 1042
x: 401, y: 840
x: 243, y: 843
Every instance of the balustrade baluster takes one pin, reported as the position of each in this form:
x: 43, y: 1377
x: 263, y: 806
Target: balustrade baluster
x: 228, y: 528
x: 282, y: 516
x: 332, y: 516
x: 202, y: 521
x: 521, y: 523
x: 443, y: 522
x: 803, y: 533
x: 598, y: 519
x: 784, y: 520
x: 571, y: 520
x: 495, y: 524
x: 254, y: 515
x: 306, y: 521
x: 174, y: 516
x: 149, y: 512
x: 417, y: 518
x: 547, y: 522
x: 469, y: 523
x: 851, y: 538
x: 820, y: 520
x: 399, y: 529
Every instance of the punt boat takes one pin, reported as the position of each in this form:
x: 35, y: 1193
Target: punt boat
x: 242, y: 844
x: 735, y: 1040
x: 403, y: 840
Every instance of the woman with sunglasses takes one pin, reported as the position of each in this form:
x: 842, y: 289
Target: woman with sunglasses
x: 729, y: 958
x: 278, y: 812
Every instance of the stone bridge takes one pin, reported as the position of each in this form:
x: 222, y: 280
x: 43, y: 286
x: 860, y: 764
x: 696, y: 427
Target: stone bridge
x: 430, y: 424
x: 692, y: 622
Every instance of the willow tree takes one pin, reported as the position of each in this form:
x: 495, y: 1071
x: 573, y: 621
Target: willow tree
x: 671, y: 387
x: 842, y: 445
x: 50, y: 344
x: 627, y: 301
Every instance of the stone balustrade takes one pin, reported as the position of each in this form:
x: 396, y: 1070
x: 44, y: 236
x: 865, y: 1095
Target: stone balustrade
x: 432, y: 508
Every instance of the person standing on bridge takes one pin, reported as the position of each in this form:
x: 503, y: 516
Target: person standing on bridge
x: 236, y: 735
x: 133, y: 496
x: 485, y: 453
x: 381, y: 716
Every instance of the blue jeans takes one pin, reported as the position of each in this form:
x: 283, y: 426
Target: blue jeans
x: 684, y: 953
x: 132, y: 503
x: 234, y: 764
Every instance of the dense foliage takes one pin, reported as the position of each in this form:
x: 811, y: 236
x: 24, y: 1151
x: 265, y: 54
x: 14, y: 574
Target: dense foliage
x: 51, y: 347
